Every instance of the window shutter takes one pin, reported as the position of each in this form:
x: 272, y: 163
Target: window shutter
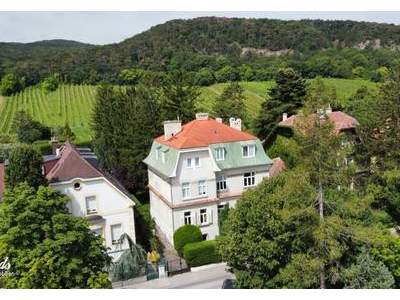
x: 210, y: 217
x: 196, y: 218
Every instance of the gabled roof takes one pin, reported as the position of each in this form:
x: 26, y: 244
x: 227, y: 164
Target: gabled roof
x: 340, y: 120
x: 202, y: 133
x: 71, y: 165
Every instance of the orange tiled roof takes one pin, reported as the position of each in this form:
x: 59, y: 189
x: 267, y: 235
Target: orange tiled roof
x: 201, y: 133
x: 341, y: 121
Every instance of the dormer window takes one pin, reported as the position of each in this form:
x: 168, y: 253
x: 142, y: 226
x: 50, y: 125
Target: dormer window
x: 249, y: 151
x: 163, y: 157
x: 192, y: 162
x: 220, y: 154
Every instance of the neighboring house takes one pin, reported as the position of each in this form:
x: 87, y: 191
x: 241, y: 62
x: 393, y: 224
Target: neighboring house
x: 94, y: 195
x: 342, y: 122
x: 196, y: 169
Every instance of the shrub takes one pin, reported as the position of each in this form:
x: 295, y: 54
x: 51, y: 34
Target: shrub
x: 201, y: 253
x: 185, y: 235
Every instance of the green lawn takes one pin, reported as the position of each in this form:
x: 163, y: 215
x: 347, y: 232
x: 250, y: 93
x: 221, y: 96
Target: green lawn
x: 73, y: 103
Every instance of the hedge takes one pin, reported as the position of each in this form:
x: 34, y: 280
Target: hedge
x: 201, y: 253
x: 185, y: 235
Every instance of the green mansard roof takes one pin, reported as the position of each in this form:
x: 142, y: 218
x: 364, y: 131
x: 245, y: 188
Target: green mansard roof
x: 233, y: 157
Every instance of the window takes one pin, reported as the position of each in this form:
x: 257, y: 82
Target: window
x: 163, y: 157
x: 204, y: 236
x: 221, y: 183
x: 249, y: 179
x: 188, y: 162
x: 193, y: 162
x: 202, y: 188
x: 221, y: 207
x: 77, y: 186
x: 91, y: 205
x: 203, y: 216
x: 220, y: 153
x: 98, y: 231
x: 187, y: 217
x: 185, y: 190
x: 116, y: 232
x: 249, y: 151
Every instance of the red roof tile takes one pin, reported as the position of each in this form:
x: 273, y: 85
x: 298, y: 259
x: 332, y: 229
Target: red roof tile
x: 2, y: 179
x: 341, y: 121
x: 201, y: 133
x: 71, y: 165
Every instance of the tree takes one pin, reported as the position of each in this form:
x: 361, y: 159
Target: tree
x: 27, y: 129
x: 367, y: 273
x: 50, y: 83
x: 131, y: 263
x: 226, y: 74
x: 47, y: 247
x: 267, y: 227
x: 180, y: 96
x: 204, y: 77
x: 231, y: 103
x: 286, y: 97
x: 130, y: 76
x: 24, y: 165
x: 10, y: 84
x: 125, y: 123
x: 65, y: 133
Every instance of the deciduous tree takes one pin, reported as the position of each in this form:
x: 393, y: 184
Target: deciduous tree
x: 47, y: 247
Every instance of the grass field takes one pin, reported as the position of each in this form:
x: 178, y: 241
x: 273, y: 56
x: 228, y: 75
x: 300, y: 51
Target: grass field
x: 73, y: 103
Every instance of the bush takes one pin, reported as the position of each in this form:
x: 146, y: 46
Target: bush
x: 201, y: 253
x: 185, y: 235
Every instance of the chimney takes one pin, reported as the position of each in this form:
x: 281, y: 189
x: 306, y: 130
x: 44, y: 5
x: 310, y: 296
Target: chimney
x: 235, y: 123
x: 202, y: 116
x: 219, y: 120
x: 284, y: 116
x: 171, y: 128
x: 55, y: 146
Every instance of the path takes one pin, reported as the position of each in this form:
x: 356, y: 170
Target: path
x: 206, y: 277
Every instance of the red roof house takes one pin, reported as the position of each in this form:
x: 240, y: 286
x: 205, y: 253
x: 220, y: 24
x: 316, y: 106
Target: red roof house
x: 202, y: 133
x: 340, y: 120
x: 69, y: 165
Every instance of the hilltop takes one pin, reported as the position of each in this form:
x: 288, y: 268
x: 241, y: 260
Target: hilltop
x: 313, y: 47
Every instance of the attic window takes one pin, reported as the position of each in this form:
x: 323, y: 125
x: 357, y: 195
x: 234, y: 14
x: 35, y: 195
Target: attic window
x: 77, y: 186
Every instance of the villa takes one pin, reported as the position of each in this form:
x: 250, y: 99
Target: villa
x: 196, y: 169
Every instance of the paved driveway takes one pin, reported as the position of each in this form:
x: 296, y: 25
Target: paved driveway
x: 207, y: 277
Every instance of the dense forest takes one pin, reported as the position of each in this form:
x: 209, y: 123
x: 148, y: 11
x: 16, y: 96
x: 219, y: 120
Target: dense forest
x: 216, y: 50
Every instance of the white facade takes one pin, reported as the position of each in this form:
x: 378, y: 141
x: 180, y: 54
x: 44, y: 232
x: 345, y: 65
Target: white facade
x: 109, y: 211
x: 191, y: 196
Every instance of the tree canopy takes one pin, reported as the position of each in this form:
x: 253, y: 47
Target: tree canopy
x: 46, y: 246
x: 286, y: 97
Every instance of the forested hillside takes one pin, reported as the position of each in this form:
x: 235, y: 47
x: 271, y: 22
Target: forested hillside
x: 217, y: 50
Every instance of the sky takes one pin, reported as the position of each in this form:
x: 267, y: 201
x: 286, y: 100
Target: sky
x: 112, y: 27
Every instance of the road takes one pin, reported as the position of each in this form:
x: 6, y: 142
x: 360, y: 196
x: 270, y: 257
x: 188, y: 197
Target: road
x: 208, y: 277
